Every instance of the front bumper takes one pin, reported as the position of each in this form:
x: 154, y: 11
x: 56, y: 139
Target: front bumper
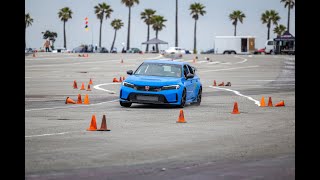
x: 149, y: 97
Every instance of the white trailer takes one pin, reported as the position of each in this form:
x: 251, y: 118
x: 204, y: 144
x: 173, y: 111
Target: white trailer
x: 234, y: 44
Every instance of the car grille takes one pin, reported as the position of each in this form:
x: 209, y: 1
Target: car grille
x: 147, y: 98
x: 151, y: 88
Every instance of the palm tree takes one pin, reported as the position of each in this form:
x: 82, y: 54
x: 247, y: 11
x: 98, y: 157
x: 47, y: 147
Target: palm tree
x: 196, y: 10
x: 270, y: 17
x: 129, y: 4
x: 116, y: 24
x: 290, y: 4
x: 279, y: 30
x: 176, y: 44
x: 102, y: 10
x: 65, y: 14
x: 158, y: 25
x: 28, y: 22
x: 146, y: 15
x: 51, y: 36
x: 236, y: 16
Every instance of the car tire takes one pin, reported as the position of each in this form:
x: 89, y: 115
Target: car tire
x: 125, y: 104
x: 199, y: 96
x: 183, y: 99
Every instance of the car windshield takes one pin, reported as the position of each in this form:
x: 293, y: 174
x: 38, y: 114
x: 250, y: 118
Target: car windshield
x: 158, y: 69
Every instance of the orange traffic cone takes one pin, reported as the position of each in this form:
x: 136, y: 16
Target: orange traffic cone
x: 104, y: 124
x: 120, y: 80
x: 214, y: 83
x: 88, y: 88
x: 82, y: 87
x: 87, y: 55
x: 228, y: 84
x: 86, y: 99
x: 181, y: 117
x: 262, y: 103
x: 93, y: 124
x: 75, y: 86
x: 79, y: 99
x: 115, y: 80
x: 222, y: 84
x: 90, y: 82
x: 123, y: 78
x: 70, y: 101
x: 194, y: 60
x: 34, y: 55
x: 281, y: 103
x: 270, y: 102
x: 235, y: 108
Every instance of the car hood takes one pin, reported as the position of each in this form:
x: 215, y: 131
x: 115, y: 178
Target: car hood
x: 152, y: 80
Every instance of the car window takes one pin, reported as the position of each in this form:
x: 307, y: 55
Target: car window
x: 190, y: 69
x: 270, y: 42
x: 159, y: 69
x: 185, y: 70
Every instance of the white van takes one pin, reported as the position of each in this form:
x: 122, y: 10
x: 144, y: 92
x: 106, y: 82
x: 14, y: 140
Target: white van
x: 269, y: 46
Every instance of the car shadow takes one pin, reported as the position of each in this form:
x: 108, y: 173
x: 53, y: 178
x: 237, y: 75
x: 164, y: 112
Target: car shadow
x: 155, y: 106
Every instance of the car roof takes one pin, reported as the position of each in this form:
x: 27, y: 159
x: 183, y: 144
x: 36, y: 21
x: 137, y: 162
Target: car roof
x: 166, y: 61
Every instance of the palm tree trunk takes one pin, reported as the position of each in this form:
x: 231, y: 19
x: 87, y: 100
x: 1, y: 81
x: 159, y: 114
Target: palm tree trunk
x: 114, y: 39
x: 100, y: 33
x: 148, y: 35
x: 157, y: 48
x: 128, y: 38
x: 176, y: 44
x: 195, y: 37
x: 235, y: 30
x: 64, y: 34
x: 288, y: 17
x: 268, y: 32
x: 25, y: 37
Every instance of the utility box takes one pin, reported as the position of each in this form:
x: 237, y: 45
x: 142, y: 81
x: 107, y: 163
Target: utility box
x: 234, y: 44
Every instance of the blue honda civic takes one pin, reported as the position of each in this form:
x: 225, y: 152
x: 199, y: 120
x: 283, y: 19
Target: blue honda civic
x: 161, y: 82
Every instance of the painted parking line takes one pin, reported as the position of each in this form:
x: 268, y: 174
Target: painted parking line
x: 52, y: 134
x: 72, y: 106
x: 99, y: 88
x: 238, y: 93
x: 86, y: 62
x: 227, y: 69
x: 244, y: 60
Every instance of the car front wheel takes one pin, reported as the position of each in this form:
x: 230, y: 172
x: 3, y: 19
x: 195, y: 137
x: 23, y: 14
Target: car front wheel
x: 125, y: 104
x: 183, y: 99
x: 199, y: 97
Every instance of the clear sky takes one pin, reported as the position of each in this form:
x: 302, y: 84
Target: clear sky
x: 214, y: 23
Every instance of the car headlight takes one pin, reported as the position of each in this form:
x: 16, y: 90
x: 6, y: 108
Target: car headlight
x: 170, y: 87
x: 128, y: 84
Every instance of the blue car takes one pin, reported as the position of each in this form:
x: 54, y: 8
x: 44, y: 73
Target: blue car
x: 161, y: 82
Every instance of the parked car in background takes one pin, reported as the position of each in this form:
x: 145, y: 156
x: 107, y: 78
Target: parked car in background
x: 210, y: 51
x: 114, y: 50
x: 175, y: 50
x: 161, y: 82
x: 134, y: 50
x: 30, y: 50
x: 60, y: 50
x: 102, y: 50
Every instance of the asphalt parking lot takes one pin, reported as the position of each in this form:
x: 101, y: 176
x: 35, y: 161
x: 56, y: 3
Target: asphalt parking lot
x: 145, y: 142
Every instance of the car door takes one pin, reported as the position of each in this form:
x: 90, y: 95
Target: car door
x: 188, y: 83
x: 195, y: 81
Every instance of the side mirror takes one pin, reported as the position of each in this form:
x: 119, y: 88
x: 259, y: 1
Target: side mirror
x: 189, y: 76
x: 130, y: 72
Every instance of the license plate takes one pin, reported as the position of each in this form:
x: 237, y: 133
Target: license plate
x: 147, y: 98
